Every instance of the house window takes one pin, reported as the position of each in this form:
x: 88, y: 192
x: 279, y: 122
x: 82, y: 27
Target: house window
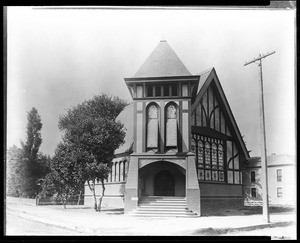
x: 279, y: 191
x: 253, y: 192
x: 149, y: 91
x: 171, y: 126
x: 233, y: 164
x: 279, y: 175
x: 166, y: 90
x: 152, y: 126
x: 157, y: 91
x: 210, y: 158
x: 174, y: 89
x: 252, y: 176
x: 139, y: 91
x: 184, y: 90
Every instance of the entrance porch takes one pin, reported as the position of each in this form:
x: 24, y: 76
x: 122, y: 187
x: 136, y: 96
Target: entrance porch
x: 162, y: 176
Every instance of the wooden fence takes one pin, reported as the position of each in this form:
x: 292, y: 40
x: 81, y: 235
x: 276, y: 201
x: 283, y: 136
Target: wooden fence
x: 44, y: 201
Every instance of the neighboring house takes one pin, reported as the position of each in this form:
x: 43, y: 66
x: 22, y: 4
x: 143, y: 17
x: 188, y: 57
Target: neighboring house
x: 281, y: 180
x: 182, y: 141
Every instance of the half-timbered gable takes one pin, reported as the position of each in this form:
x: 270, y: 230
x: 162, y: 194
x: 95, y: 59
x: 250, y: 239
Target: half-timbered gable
x: 216, y: 140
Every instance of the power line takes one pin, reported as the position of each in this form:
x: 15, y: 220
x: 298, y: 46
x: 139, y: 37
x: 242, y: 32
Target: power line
x: 265, y: 194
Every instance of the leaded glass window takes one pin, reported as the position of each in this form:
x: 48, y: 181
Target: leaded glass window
x: 200, y: 154
x: 171, y: 126
x: 207, y: 155
x: 152, y: 127
x: 210, y: 158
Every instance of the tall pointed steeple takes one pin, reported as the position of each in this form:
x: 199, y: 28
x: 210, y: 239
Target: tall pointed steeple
x: 162, y: 62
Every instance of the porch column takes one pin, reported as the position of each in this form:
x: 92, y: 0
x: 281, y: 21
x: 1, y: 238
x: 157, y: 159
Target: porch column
x: 192, y: 185
x: 131, y: 188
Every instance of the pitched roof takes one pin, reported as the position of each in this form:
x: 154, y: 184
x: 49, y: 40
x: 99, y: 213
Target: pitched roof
x: 162, y: 62
x: 125, y: 117
x: 272, y: 160
x: 203, y: 76
x: 280, y: 159
x: 206, y: 78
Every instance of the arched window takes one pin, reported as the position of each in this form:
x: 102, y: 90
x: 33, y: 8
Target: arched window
x: 113, y: 173
x: 117, y: 172
x: 152, y: 126
x: 121, y: 171
x: 171, y: 126
x: 109, y: 177
x: 125, y: 169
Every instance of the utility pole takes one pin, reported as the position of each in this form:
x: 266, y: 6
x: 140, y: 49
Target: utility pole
x: 264, y: 167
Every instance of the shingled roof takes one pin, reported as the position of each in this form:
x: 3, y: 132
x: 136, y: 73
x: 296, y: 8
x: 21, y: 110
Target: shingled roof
x: 162, y: 62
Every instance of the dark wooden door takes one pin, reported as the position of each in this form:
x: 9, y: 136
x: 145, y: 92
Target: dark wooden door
x: 164, y: 184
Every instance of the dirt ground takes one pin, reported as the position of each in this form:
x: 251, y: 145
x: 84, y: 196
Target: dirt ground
x: 113, y: 222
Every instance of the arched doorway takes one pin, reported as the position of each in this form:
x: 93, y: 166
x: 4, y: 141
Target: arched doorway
x: 162, y: 178
x: 164, y: 184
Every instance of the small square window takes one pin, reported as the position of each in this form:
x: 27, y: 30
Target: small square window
x: 279, y: 175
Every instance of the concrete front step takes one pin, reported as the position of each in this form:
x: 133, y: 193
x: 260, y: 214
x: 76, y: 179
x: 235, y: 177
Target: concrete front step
x: 163, y: 203
x: 162, y: 214
x: 163, y: 199
x: 159, y: 212
x: 170, y: 209
x: 161, y: 206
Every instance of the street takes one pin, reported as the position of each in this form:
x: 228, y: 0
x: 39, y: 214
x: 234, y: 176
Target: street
x: 55, y: 220
x: 20, y: 226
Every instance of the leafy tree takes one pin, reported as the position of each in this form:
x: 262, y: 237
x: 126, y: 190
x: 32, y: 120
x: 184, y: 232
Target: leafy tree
x: 93, y: 134
x: 30, y: 151
x: 19, y: 182
x: 42, y: 168
x: 34, y: 139
x: 65, y: 178
x: 15, y: 172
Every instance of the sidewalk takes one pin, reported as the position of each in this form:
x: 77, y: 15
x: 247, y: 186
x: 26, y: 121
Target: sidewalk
x: 114, y: 222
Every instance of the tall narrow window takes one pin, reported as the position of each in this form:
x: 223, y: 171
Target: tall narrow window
x: 279, y: 192
x: 166, y: 90
x: 157, y: 91
x: 253, y: 192
x: 121, y: 171
x: 252, y: 176
x: 171, y: 126
x: 174, y: 90
x: 152, y: 127
x: 139, y: 91
x: 149, y: 91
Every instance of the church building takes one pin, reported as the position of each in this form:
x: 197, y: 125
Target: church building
x: 183, y: 148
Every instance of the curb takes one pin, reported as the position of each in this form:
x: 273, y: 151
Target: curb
x: 200, y: 231
x: 221, y: 231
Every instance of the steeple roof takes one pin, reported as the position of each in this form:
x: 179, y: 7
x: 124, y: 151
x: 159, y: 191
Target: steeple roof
x: 162, y: 62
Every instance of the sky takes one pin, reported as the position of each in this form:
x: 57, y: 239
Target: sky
x: 56, y: 59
